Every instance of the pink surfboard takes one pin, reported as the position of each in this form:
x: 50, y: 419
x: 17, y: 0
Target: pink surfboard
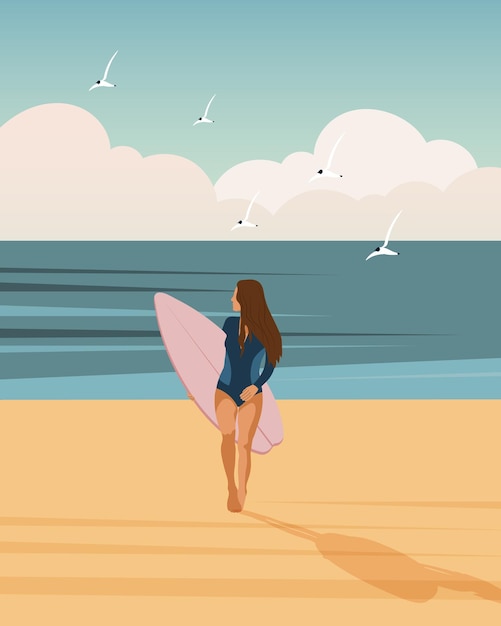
x: 195, y: 346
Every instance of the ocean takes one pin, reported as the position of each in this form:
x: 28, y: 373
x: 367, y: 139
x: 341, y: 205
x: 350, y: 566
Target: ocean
x: 77, y: 318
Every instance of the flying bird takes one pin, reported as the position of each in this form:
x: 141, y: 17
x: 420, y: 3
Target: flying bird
x: 103, y: 82
x: 204, y: 117
x: 327, y: 172
x: 384, y: 249
x: 245, y: 221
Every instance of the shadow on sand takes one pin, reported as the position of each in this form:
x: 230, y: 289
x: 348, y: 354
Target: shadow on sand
x: 376, y: 570
x: 384, y: 568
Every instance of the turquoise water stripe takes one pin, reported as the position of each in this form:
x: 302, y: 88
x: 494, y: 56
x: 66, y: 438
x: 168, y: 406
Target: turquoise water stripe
x: 462, y: 379
x: 109, y: 387
x: 49, y: 311
x: 317, y: 372
x: 77, y: 348
x: 340, y: 345
x: 468, y: 379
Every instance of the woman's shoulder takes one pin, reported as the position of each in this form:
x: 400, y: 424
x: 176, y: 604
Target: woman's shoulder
x: 231, y: 322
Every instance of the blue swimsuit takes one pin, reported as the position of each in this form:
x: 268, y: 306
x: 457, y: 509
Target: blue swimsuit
x: 241, y: 371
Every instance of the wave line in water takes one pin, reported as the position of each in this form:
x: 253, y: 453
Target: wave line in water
x: 62, y: 311
x: 83, y: 348
x: 58, y: 270
x: 46, y: 287
x: 397, y: 376
x: 44, y: 333
x: 7, y: 310
x: 289, y: 347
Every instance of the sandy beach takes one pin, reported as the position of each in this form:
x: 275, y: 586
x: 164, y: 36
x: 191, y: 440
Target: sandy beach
x: 381, y: 512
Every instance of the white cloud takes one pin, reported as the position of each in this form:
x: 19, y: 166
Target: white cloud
x: 60, y: 179
x: 387, y: 166
x: 377, y: 153
x: 469, y: 209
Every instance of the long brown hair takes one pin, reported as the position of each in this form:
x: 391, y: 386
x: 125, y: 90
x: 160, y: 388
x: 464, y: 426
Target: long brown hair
x: 256, y: 316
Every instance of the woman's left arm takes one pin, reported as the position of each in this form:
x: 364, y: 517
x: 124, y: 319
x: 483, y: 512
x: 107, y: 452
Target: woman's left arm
x: 250, y: 391
x: 265, y: 374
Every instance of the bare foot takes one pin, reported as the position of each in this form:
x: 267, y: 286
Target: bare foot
x: 241, y: 497
x: 233, y: 502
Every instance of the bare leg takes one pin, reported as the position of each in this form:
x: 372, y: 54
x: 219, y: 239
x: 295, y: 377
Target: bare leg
x: 248, y: 419
x: 226, y: 413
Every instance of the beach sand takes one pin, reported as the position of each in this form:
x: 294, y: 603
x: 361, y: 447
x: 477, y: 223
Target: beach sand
x: 369, y: 512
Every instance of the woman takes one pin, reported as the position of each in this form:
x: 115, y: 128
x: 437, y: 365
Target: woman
x: 250, y: 339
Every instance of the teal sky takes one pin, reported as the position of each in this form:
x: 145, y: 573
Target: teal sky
x: 281, y: 70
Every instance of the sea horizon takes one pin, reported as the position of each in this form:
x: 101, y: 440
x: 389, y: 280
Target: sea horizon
x: 77, y: 318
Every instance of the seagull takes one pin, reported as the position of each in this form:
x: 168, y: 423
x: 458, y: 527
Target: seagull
x: 383, y: 249
x: 245, y: 221
x: 103, y: 82
x: 327, y: 171
x: 204, y: 118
